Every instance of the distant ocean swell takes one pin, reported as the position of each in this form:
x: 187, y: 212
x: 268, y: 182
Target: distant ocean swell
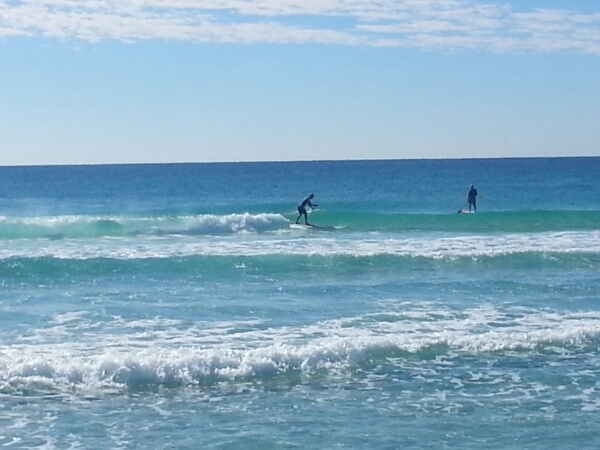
x: 177, y: 356
x: 75, y: 227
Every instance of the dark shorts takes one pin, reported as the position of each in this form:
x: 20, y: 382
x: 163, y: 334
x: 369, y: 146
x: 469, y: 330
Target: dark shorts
x: 301, y: 210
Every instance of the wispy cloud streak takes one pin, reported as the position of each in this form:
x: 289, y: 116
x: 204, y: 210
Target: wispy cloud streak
x: 439, y: 24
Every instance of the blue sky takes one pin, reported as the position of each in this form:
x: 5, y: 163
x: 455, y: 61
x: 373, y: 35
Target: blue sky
x: 143, y: 81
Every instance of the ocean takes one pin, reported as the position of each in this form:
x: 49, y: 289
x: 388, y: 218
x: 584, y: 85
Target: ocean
x: 178, y: 306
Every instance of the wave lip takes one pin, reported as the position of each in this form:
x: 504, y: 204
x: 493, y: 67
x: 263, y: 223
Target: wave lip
x: 234, y: 223
x: 76, y: 227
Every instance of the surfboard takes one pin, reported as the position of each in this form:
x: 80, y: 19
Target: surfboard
x: 301, y: 226
x: 466, y: 211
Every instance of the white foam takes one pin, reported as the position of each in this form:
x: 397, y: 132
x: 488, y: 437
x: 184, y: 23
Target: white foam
x: 81, y: 226
x: 433, y: 247
x: 174, y: 353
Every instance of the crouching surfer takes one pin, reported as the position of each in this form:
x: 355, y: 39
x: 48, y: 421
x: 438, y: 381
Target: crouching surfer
x: 302, y: 208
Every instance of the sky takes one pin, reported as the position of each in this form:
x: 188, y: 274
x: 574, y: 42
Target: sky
x: 156, y: 81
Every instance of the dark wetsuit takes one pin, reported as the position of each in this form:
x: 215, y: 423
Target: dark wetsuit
x: 472, y: 198
x: 302, y: 209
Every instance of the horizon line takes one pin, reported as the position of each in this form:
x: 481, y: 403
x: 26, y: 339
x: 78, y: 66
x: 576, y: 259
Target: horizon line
x: 173, y: 163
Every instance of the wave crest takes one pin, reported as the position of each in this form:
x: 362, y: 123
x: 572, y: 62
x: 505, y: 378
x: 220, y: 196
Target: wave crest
x: 73, y: 227
x: 331, y: 347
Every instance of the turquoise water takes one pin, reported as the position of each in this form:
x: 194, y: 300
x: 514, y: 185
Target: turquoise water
x: 178, y: 306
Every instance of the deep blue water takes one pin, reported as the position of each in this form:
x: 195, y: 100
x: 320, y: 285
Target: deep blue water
x: 179, y: 306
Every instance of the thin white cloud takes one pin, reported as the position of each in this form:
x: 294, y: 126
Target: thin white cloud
x: 452, y: 24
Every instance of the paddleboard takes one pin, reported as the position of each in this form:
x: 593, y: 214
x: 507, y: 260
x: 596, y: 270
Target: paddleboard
x: 301, y: 226
x: 466, y: 211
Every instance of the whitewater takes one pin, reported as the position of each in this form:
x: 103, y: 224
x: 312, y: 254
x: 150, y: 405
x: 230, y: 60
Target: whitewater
x: 178, y: 306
